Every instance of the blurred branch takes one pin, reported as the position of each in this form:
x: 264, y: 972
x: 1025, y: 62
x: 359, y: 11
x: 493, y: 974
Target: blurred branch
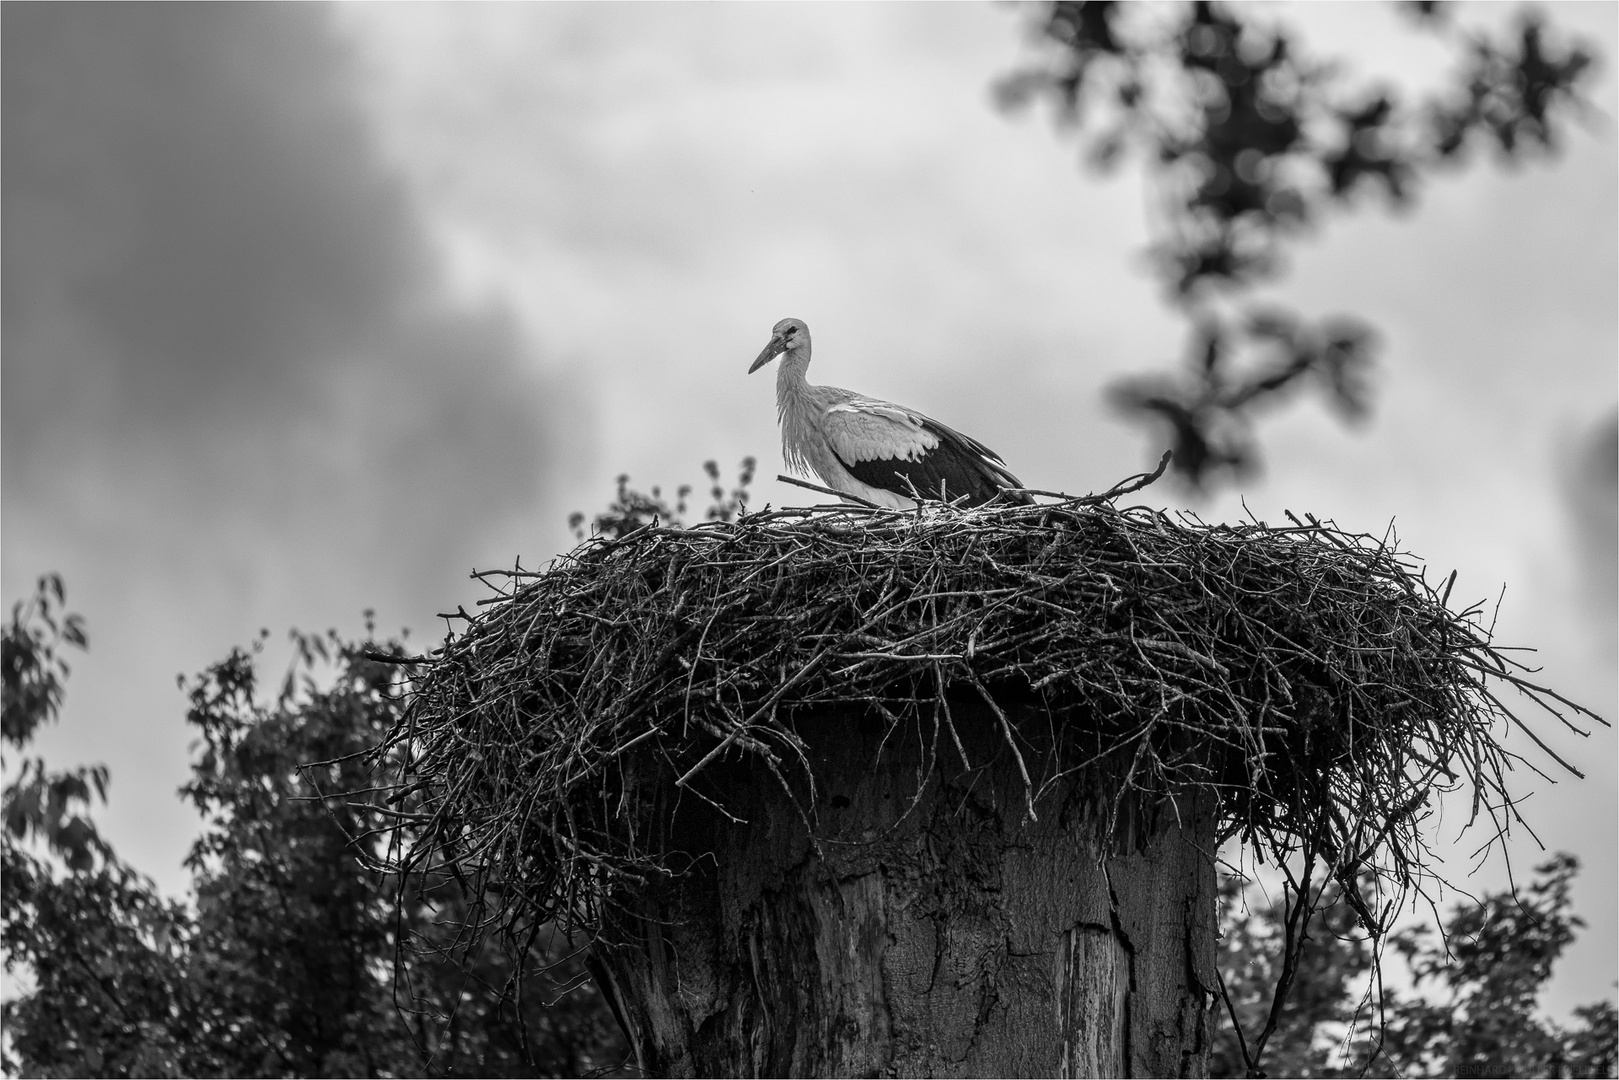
x: 1248, y: 142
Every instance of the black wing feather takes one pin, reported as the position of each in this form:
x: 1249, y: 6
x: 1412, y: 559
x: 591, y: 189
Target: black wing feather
x: 958, y: 466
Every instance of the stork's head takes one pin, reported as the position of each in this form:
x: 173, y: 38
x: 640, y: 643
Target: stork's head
x: 787, y: 336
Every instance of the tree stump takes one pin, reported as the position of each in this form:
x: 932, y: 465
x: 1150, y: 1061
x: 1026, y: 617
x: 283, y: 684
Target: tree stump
x: 929, y: 927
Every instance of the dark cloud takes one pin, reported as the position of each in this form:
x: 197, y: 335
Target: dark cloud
x: 222, y: 314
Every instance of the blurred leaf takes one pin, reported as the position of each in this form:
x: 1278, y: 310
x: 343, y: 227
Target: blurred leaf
x: 1231, y: 369
x: 1247, y: 141
x: 34, y: 669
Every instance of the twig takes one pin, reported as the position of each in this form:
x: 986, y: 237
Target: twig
x: 827, y: 491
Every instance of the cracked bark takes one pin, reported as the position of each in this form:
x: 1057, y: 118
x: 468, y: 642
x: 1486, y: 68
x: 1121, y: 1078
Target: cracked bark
x: 941, y: 936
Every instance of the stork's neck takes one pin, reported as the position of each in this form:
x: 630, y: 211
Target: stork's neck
x: 791, y: 380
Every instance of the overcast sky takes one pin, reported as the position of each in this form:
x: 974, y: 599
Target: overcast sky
x: 309, y: 310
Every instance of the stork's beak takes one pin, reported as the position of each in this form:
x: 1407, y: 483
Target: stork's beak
x: 773, y: 350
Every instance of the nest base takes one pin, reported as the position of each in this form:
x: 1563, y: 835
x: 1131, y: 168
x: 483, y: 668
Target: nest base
x: 912, y: 919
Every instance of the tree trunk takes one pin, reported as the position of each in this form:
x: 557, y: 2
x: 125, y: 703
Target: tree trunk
x: 938, y: 932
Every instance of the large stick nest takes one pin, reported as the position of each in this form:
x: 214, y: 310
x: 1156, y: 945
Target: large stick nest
x: 1312, y: 677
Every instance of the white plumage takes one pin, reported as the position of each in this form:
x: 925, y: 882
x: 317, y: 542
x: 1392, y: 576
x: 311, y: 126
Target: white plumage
x: 871, y: 449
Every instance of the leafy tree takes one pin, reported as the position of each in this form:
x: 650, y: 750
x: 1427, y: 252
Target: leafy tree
x: 1488, y: 967
x: 285, y: 962
x: 102, y: 950
x: 1324, y: 995
x: 296, y: 948
x: 97, y: 944
x: 1472, y: 1010
x: 48, y: 806
x: 631, y: 509
x: 1248, y: 142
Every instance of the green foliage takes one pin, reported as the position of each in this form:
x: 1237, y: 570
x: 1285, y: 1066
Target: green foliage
x: 288, y: 930
x: 1248, y: 142
x: 1484, y: 975
x: 1471, y: 1010
x: 34, y: 669
x: 1335, y: 959
x: 39, y: 804
x: 286, y: 961
x: 97, y: 944
x: 104, y: 953
x: 1592, y: 1048
x: 631, y: 509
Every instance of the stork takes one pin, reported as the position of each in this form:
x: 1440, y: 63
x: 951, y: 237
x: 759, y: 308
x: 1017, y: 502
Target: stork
x: 871, y: 449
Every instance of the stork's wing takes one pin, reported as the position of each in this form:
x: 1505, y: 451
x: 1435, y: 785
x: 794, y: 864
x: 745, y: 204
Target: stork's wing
x: 897, y: 449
